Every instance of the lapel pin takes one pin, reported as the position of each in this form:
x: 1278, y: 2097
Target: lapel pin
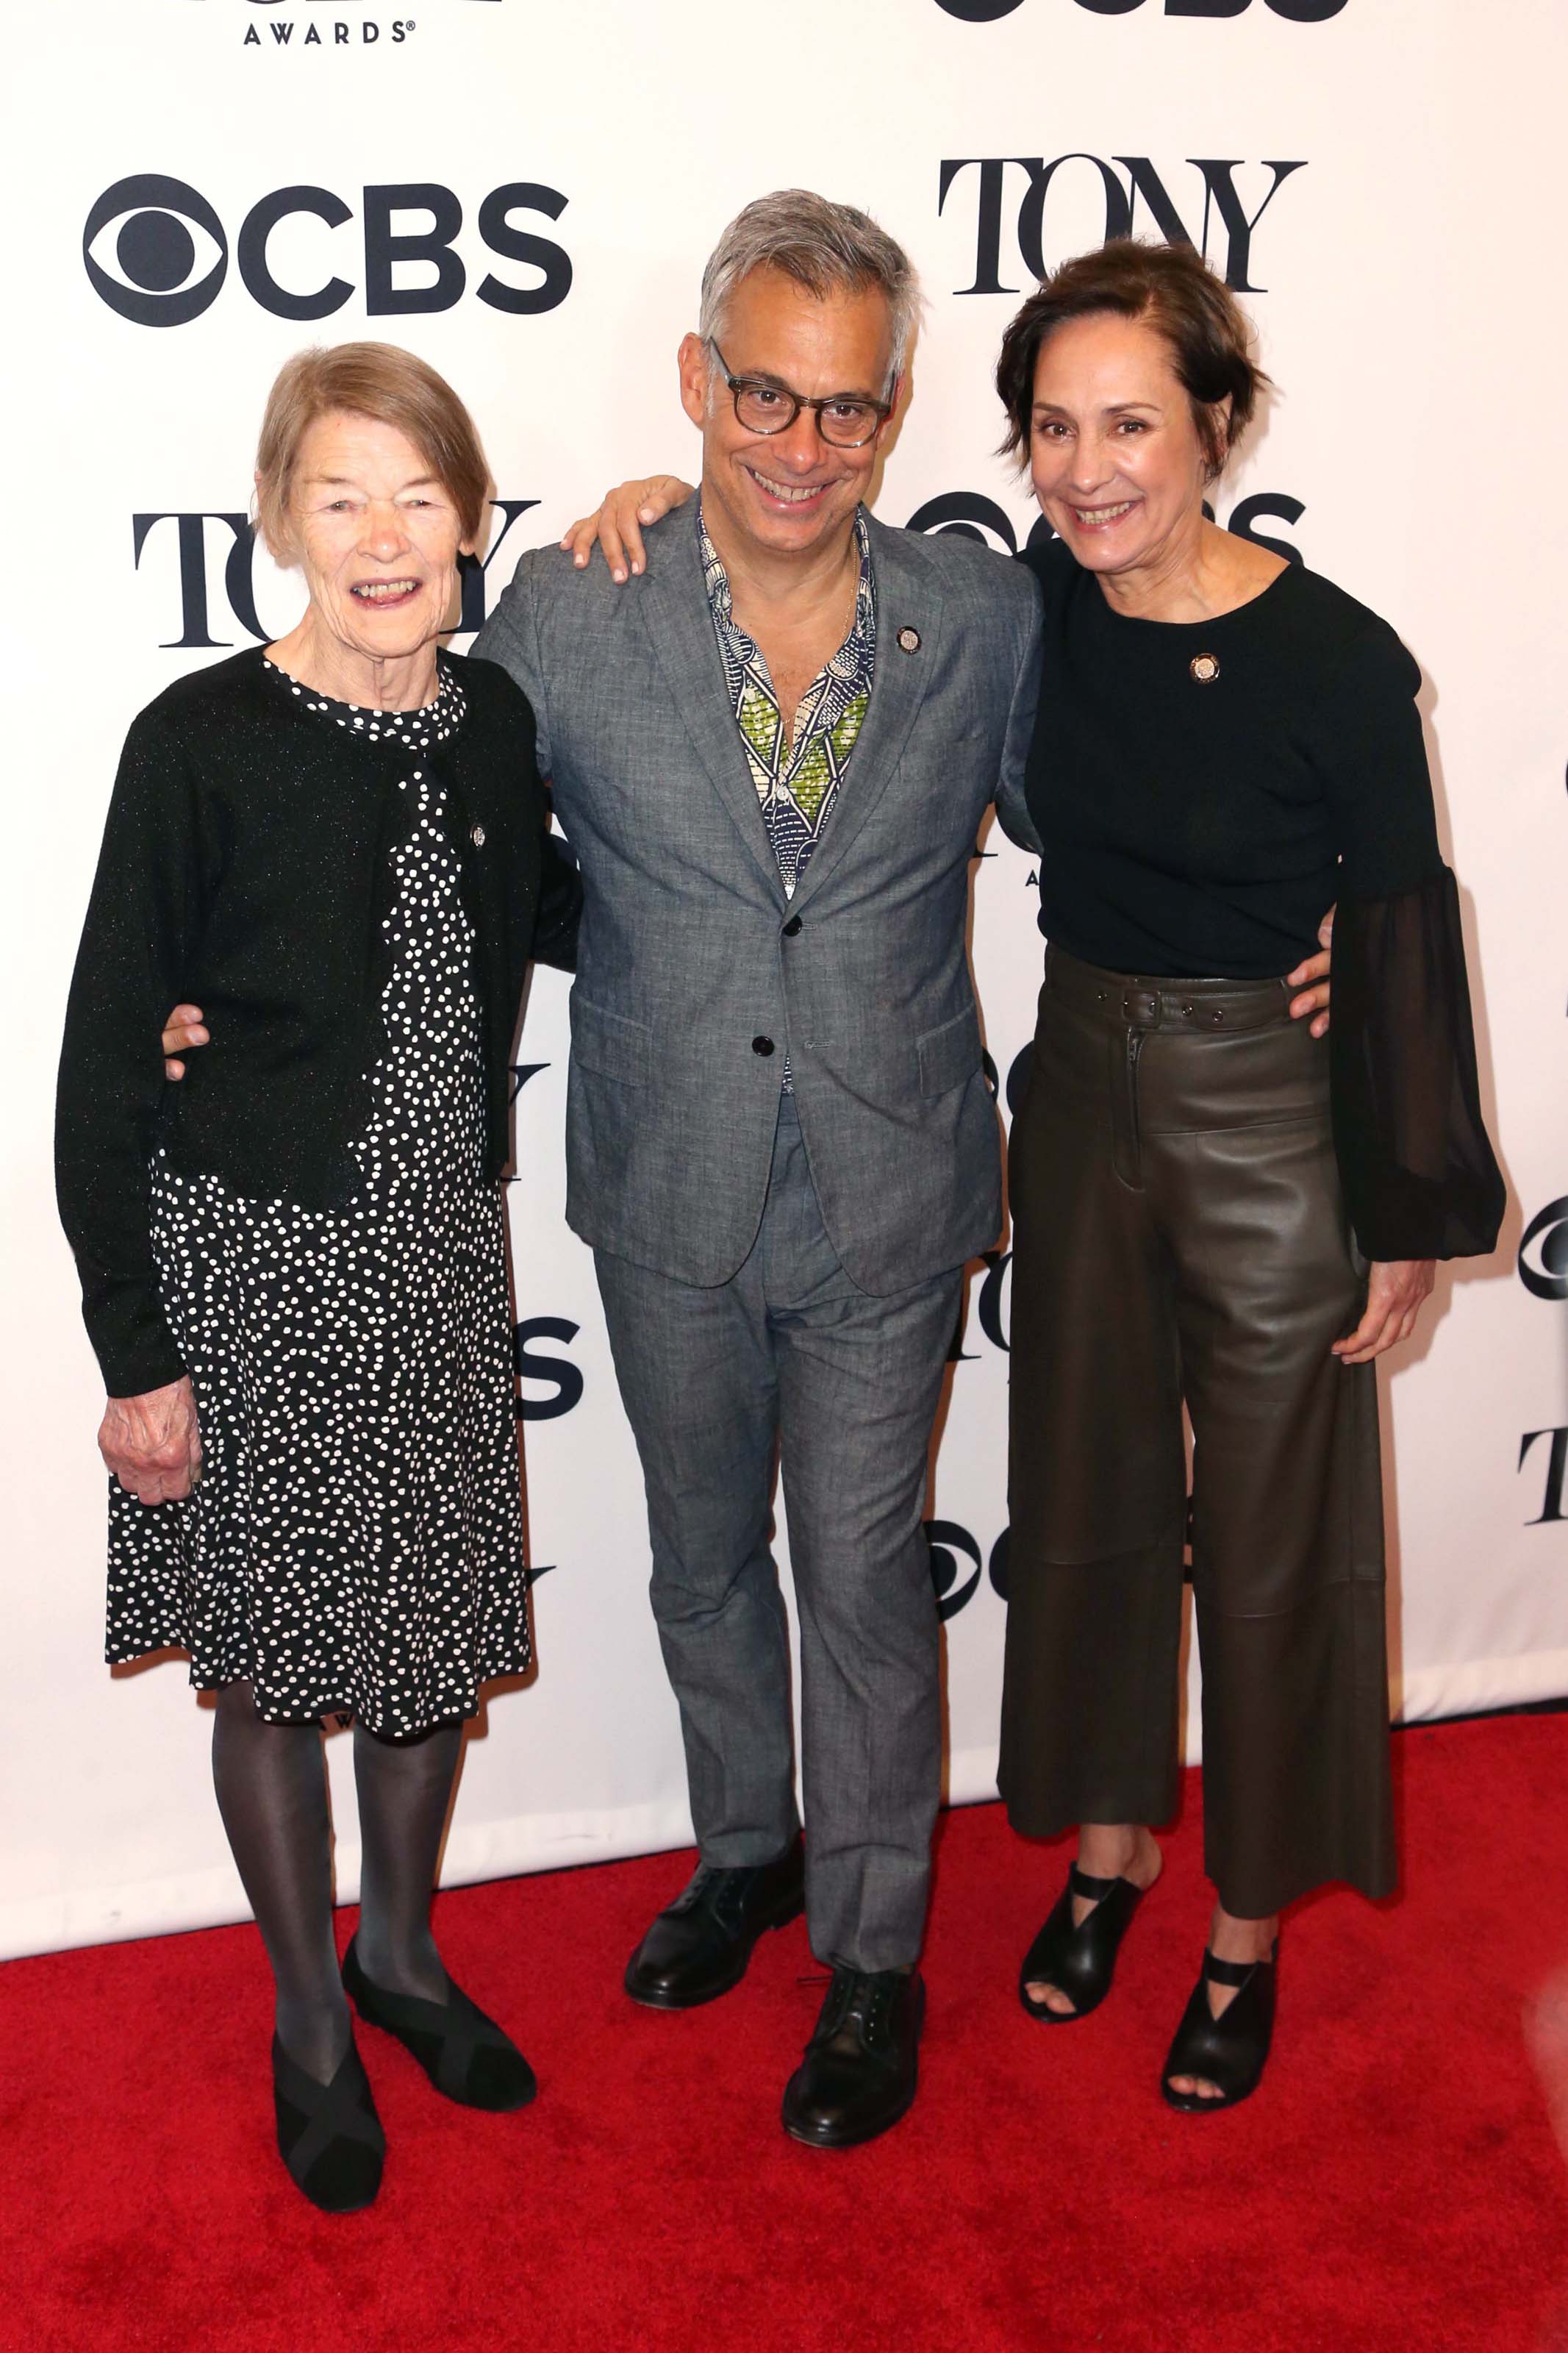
x: 477, y: 836
x: 910, y: 641
x: 1204, y: 668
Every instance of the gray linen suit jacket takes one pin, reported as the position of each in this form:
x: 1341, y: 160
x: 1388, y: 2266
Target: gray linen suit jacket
x: 695, y: 974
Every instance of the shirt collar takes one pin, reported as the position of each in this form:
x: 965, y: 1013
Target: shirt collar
x: 716, y: 580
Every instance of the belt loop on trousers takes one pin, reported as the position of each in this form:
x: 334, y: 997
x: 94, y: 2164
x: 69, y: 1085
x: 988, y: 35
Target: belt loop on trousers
x: 1197, y: 1007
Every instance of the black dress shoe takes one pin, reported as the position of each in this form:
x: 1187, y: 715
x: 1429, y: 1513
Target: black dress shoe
x: 862, y: 2064
x: 465, y: 2054
x: 328, y: 2135
x: 700, y: 1948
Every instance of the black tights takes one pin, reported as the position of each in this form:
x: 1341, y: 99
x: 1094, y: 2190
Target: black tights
x: 272, y: 1785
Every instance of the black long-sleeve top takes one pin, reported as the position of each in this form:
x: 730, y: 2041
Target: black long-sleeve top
x: 245, y: 868
x: 1204, y: 792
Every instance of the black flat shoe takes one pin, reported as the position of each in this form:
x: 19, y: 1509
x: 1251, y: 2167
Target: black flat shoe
x: 1080, y: 1962
x: 465, y: 2054
x: 701, y: 1944
x: 1230, y: 2050
x: 328, y: 2135
x: 862, y: 2064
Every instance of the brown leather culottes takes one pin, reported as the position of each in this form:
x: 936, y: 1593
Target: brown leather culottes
x: 1179, y: 1234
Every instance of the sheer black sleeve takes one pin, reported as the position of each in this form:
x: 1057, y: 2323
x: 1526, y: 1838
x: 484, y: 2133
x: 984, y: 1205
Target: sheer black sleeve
x: 1419, y: 1174
x: 1417, y: 1167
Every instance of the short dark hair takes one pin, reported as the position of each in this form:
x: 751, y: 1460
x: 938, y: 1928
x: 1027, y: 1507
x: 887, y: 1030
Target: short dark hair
x: 1175, y: 290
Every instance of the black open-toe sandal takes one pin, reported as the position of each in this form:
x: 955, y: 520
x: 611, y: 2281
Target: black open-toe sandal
x: 1228, y: 2050
x: 465, y: 2054
x: 1080, y: 1962
x: 328, y: 2135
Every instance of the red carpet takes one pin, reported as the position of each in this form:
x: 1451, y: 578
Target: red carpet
x: 1395, y: 2183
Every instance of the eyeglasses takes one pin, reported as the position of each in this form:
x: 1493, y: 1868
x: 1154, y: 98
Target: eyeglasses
x: 845, y: 419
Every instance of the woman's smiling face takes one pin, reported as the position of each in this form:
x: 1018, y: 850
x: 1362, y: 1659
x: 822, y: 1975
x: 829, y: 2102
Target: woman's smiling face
x: 1118, y: 463
x: 377, y: 535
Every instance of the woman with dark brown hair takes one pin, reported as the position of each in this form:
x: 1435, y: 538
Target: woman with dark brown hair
x: 1208, y: 1207
x: 293, y: 1270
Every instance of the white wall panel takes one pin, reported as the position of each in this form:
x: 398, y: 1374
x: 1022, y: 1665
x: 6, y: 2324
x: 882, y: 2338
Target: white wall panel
x: 1406, y: 279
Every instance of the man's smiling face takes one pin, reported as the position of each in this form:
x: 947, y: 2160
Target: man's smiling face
x: 788, y: 494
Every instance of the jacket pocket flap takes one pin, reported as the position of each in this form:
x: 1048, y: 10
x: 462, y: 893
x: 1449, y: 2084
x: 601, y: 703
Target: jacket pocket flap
x: 951, y: 1053
x: 610, y: 1045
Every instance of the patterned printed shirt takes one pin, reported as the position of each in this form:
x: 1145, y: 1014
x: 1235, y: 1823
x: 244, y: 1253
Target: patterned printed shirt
x: 798, y: 783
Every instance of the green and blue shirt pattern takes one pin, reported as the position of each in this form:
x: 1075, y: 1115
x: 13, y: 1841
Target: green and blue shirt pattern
x: 797, y: 782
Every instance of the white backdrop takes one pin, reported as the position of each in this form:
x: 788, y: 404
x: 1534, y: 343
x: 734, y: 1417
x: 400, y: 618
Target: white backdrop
x: 1404, y: 274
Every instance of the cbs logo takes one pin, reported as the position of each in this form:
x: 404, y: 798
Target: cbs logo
x: 1543, y: 1252
x: 560, y: 1379
x: 972, y: 515
x: 1296, y: 12
x: 956, y: 1565
x: 157, y: 253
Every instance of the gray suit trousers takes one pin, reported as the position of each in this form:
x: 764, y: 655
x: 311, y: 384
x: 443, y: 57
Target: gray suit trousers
x: 790, y: 1354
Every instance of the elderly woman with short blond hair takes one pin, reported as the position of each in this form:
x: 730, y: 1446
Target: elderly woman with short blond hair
x: 292, y: 1265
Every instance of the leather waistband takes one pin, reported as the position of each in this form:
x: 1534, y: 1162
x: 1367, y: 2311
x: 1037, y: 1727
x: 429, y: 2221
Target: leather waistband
x: 1130, y: 1000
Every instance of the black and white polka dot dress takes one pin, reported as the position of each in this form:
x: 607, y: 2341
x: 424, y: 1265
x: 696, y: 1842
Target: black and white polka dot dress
x: 355, y: 1541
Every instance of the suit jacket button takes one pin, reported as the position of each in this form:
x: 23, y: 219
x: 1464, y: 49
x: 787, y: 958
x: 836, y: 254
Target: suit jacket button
x: 792, y: 929
x: 762, y: 1045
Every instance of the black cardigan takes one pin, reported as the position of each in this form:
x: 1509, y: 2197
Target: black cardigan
x: 245, y: 868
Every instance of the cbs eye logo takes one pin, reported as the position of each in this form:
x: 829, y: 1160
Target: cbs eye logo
x: 155, y: 246
x: 1547, y: 1277
x: 955, y: 1586
x: 949, y: 1544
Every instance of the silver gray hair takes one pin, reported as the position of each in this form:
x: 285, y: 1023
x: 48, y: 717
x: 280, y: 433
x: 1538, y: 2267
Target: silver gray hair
x: 828, y: 249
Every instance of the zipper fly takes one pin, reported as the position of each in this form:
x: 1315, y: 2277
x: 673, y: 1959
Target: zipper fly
x: 1126, y: 1138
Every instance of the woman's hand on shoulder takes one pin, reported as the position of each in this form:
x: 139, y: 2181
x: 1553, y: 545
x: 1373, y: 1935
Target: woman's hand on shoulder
x: 151, y: 1442
x: 1312, y: 979
x: 615, y: 526
x: 1396, y: 1291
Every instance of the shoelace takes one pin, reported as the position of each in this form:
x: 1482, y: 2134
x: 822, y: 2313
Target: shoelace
x: 716, y: 1883
x: 861, y: 1997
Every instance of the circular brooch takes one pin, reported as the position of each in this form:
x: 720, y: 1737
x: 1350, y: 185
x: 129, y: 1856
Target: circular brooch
x: 1204, y: 668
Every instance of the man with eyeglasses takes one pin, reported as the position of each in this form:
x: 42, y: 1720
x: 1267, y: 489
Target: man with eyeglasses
x: 770, y: 759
